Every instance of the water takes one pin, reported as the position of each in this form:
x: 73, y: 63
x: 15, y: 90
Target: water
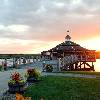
x: 97, y: 65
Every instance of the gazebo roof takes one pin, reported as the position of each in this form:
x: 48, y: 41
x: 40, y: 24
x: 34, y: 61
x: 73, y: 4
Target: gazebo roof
x: 68, y: 46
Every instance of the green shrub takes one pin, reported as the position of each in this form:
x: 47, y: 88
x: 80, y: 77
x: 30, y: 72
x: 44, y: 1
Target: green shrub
x: 49, y: 68
x: 33, y: 73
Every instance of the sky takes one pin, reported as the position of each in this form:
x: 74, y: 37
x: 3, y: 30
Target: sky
x: 32, y: 26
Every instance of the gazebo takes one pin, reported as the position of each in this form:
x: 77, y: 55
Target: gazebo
x: 71, y: 56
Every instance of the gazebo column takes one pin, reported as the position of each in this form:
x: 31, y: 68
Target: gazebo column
x: 80, y: 65
x: 84, y: 65
x: 93, y: 66
x: 76, y: 66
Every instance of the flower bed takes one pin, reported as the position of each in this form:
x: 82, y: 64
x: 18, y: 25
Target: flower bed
x: 16, y: 84
x: 33, y: 75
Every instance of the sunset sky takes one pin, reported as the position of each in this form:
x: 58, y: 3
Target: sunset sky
x: 31, y: 26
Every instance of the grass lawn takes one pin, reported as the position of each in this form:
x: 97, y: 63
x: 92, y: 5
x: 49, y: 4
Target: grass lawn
x: 82, y: 72
x: 64, y: 88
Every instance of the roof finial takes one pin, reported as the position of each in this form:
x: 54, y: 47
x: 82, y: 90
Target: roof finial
x: 67, y: 38
x: 67, y: 32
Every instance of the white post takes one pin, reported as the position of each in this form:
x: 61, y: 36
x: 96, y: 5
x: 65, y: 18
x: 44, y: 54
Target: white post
x: 59, y: 64
x: 63, y: 59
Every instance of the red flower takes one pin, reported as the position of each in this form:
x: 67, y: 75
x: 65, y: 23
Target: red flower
x: 31, y: 72
x: 16, y: 77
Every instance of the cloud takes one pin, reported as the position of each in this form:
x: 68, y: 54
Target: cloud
x: 14, y: 31
x: 48, y: 20
x: 24, y: 46
x: 18, y: 28
x: 14, y: 28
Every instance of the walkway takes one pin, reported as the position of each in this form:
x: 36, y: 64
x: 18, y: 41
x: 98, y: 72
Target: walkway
x: 69, y: 75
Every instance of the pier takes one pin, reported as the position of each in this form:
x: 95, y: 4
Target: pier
x: 18, y: 59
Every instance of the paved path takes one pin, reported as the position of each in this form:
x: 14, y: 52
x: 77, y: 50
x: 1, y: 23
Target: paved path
x: 69, y: 75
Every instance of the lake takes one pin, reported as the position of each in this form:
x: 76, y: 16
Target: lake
x: 97, y: 65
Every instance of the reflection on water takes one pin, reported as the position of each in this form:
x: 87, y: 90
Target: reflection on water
x: 97, y: 65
